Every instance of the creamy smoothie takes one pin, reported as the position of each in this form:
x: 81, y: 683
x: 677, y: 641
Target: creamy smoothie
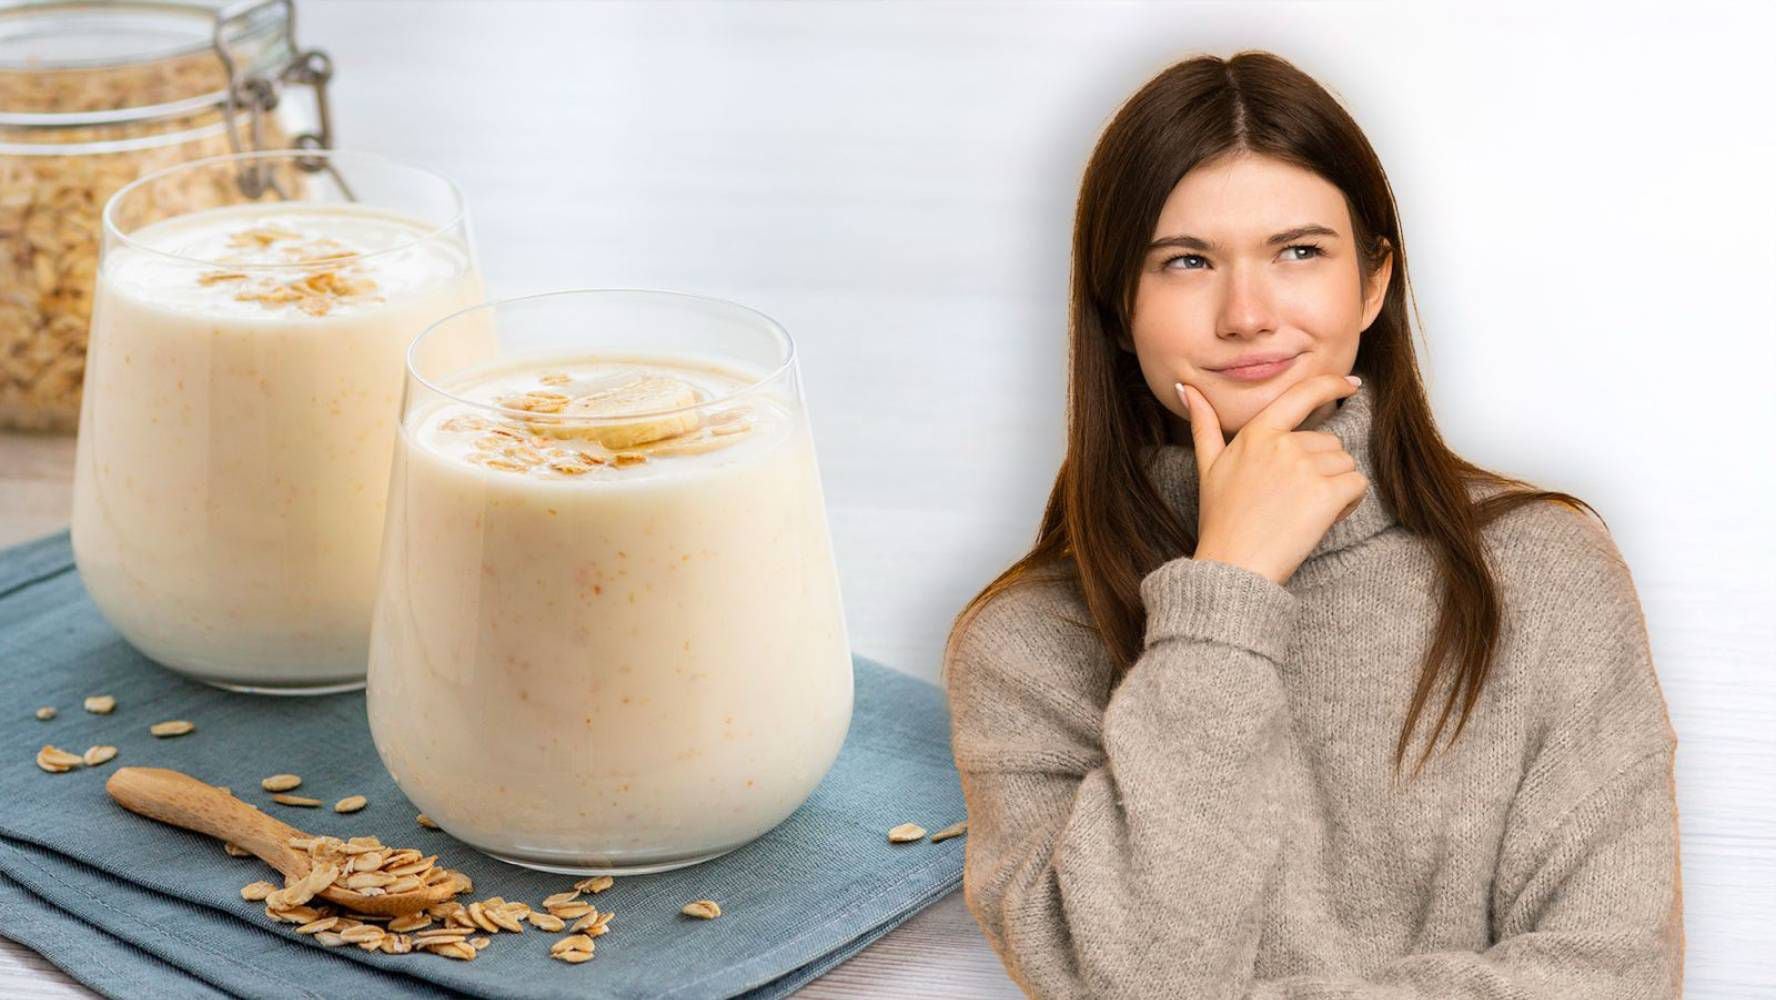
x: 608, y: 645
x: 240, y: 409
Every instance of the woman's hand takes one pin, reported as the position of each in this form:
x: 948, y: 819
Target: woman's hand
x: 1267, y: 497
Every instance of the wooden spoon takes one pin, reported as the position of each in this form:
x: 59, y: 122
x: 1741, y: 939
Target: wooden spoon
x: 178, y: 798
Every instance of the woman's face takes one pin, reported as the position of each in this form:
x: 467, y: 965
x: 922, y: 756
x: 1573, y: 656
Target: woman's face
x: 1234, y: 271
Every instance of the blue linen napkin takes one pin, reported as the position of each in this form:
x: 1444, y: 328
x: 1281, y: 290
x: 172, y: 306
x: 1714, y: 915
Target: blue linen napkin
x: 135, y: 908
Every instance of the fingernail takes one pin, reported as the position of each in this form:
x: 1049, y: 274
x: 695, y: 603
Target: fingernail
x: 1354, y: 380
x: 1183, y: 397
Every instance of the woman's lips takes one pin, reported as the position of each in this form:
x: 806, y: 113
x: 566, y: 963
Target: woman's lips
x: 1256, y: 373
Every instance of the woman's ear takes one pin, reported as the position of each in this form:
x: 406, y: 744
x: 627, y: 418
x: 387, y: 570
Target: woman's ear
x: 1375, y: 292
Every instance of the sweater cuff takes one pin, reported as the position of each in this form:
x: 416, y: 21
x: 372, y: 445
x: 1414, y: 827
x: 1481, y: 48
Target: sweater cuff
x: 1213, y: 601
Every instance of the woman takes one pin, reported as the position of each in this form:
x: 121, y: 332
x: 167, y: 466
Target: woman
x: 1181, y: 718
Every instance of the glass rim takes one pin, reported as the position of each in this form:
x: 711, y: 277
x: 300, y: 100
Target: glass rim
x: 770, y: 323
x: 459, y: 207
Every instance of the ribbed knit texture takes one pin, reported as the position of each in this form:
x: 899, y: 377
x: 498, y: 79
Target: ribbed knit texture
x: 1226, y: 821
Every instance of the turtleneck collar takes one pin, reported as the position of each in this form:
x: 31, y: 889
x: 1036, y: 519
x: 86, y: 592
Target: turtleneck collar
x: 1173, y: 470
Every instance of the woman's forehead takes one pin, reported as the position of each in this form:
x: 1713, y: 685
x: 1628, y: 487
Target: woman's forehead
x: 1246, y: 200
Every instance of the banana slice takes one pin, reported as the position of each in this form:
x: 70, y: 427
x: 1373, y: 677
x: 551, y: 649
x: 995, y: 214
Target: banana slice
x: 688, y: 444
x: 639, y: 395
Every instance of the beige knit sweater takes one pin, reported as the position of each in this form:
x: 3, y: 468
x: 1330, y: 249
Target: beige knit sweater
x: 1224, y: 822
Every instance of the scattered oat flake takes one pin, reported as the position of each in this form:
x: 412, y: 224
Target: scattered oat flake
x: 95, y: 756
x: 463, y: 422
x: 502, y: 464
x: 592, y: 923
x: 295, y: 800
x: 410, y: 922
x: 172, y: 727
x: 55, y: 760
x: 595, y: 884
x: 99, y: 704
x: 46, y: 713
x: 706, y: 909
x: 546, y: 921
x: 256, y: 891
x: 504, y: 920
x: 350, y: 804
x: 362, y: 933
x: 280, y: 782
x: 479, y: 916
x: 573, y: 942
x: 421, y: 867
x: 290, y: 915
x: 953, y: 830
x: 426, y: 821
x: 906, y: 833
x: 260, y: 236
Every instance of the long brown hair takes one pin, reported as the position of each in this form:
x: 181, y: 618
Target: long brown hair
x: 1105, y: 526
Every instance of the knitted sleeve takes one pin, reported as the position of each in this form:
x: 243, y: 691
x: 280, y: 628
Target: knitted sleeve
x: 1129, y: 851
x: 1587, y: 900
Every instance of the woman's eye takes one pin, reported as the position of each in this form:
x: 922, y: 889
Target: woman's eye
x: 1314, y: 247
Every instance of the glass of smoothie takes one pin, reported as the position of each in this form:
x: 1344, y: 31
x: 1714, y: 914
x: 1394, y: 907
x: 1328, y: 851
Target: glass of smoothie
x: 609, y: 636
x: 242, y: 391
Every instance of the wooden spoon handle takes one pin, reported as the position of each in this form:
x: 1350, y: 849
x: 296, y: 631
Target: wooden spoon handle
x: 178, y: 798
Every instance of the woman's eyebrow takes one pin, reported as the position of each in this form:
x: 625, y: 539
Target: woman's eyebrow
x: 1286, y: 236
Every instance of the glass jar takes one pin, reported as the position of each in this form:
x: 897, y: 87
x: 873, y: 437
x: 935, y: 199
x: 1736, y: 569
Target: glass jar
x: 92, y: 96
x: 250, y: 325
x: 608, y: 636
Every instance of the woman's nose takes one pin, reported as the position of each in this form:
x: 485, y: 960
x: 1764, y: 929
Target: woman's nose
x: 1246, y: 310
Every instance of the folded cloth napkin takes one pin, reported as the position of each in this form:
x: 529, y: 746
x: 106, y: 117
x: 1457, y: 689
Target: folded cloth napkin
x: 135, y: 908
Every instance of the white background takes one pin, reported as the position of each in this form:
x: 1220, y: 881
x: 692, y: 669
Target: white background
x: 1589, y: 203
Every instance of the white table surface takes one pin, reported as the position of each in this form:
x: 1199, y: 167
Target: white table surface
x: 895, y: 183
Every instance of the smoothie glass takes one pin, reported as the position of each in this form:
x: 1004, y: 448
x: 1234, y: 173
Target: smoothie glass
x: 242, y: 390
x: 609, y: 636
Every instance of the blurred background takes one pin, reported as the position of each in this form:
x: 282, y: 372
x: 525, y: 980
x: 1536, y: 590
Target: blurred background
x: 1590, y: 221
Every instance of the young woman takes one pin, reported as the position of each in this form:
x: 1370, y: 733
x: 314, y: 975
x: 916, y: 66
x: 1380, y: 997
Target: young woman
x: 1181, y: 718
